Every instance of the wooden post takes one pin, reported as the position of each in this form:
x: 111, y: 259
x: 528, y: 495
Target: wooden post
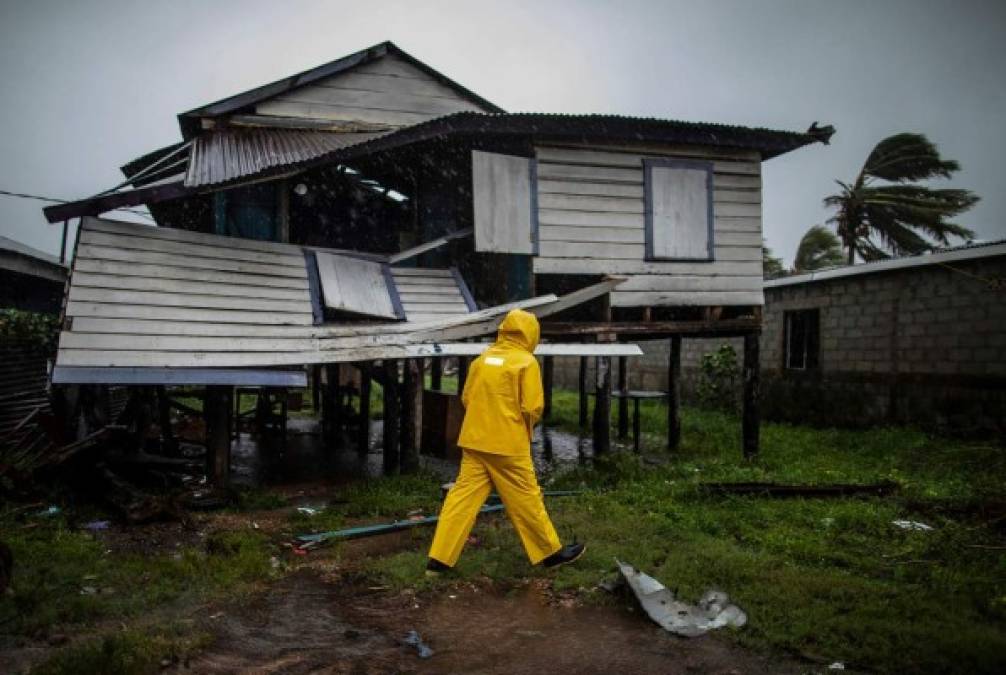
x: 316, y: 390
x: 331, y: 408
x: 436, y: 373
x: 216, y: 413
x: 583, y: 392
x: 548, y: 377
x: 623, y: 401
x: 751, y: 415
x: 463, y: 362
x: 602, y: 406
x: 674, y: 394
x: 412, y: 389
x: 168, y: 442
x: 363, y: 431
x: 391, y: 417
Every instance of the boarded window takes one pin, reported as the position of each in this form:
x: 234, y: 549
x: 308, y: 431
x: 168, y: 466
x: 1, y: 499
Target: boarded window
x: 803, y: 339
x: 679, y: 210
x: 357, y: 286
x: 503, y: 192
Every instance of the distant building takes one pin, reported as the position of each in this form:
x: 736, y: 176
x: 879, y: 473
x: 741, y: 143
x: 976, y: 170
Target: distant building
x: 30, y: 279
x: 919, y: 340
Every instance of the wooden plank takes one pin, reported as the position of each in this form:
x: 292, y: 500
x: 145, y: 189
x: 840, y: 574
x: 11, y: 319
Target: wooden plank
x: 588, y: 203
x: 429, y: 246
x: 738, y: 239
x: 685, y: 298
x: 384, y: 100
x: 87, y: 324
x: 357, y: 286
x: 605, y: 158
x: 590, y: 234
x: 554, y: 150
x: 421, y: 272
x: 415, y: 299
x: 408, y: 290
x: 189, y: 249
x: 172, y: 234
x: 187, y: 376
x: 604, y: 251
x: 429, y: 284
x: 562, y: 187
x: 589, y: 219
x: 326, y: 111
x: 118, y: 311
x: 392, y: 64
x: 108, y: 281
x: 501, y: 193
x: 167, y: 299
x: 121, y: 269
x: 736, y: 224
x: 180, y: 260
x: 105, y: 341
x: 590, y: 173
x: 675, y: 282
x: 575, y: 266
x: 742, y: 210
x: 357, y: 80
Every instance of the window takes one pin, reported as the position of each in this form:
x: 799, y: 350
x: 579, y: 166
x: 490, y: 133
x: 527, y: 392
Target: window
x: 679, y: 209
x: 802, y: 345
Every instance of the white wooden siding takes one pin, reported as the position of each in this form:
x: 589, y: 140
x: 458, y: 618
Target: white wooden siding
x: 428, y: 294
x: 501, y: 193
x: 591, y: 221
x: 388, y: 91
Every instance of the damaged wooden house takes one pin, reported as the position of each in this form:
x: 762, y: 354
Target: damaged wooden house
x: 373, y: 216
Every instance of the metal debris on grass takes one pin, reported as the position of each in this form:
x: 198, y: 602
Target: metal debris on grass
x: 413, y: 640
x: 714, y: 609
x: 911, y: 525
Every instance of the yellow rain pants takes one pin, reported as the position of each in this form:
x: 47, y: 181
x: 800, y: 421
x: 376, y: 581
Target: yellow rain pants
x: 503, y: 401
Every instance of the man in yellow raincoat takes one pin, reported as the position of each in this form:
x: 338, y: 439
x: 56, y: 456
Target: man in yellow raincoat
x: 503, y: 401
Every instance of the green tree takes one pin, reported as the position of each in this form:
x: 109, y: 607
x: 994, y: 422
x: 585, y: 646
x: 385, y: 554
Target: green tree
x: 819, y: 248
x: 772, y: 267
x: 885, y: 210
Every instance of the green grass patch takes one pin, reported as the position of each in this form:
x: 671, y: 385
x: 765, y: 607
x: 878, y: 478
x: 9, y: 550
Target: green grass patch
x: 828, y: 578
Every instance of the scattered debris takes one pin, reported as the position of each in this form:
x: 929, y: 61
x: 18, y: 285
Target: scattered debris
x: 911, y: 525
x: 837, y: 665
x: 779, y: 490
x: 49, y: 512
x: 714, y: 610
x: 96, y: 525
x: 308, y: 510
x: 413, y: 640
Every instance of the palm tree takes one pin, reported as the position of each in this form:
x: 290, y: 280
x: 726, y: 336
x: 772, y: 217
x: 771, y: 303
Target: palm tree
x: 906, y: 217
x: 819, y: 248
x: 772, y: 267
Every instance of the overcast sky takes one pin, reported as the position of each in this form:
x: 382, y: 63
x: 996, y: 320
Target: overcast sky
x: 90, y: 85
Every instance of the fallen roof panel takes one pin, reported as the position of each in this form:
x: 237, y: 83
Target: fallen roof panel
x: 179, y: 376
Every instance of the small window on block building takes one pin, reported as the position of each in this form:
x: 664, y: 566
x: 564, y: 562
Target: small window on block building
x: 802, y: 346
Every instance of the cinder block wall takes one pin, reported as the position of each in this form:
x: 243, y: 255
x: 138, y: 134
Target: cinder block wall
x: 924, y: 346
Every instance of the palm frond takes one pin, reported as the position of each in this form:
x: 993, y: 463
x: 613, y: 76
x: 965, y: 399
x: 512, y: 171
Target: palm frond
x: 906, y: 157
x: 819, y: 248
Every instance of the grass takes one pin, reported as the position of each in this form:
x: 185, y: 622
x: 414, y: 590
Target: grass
x: 830, y: 579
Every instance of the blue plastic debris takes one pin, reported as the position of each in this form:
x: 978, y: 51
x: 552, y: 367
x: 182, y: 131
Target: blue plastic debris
x: 413, y: 640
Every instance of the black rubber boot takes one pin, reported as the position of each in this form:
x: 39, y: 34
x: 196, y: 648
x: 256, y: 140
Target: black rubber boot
x: 565, y: 555
x: 435, y: 568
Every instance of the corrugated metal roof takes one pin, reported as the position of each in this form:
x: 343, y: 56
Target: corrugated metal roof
x: 229, y: 154
x: 970, y: 251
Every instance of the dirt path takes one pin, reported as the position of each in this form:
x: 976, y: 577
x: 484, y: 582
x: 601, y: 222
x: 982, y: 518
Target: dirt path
x: 306, y: 625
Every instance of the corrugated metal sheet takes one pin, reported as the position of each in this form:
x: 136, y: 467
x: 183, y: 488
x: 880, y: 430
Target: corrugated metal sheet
x: 229, y: 154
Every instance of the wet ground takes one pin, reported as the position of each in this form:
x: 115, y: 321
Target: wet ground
x: 259, y: 461
x: 306, y: 624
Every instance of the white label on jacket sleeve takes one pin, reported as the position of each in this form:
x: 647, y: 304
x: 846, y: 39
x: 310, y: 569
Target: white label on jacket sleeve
x: 494, y: 360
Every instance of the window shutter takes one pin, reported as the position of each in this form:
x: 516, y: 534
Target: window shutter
x: 679, y: 209
x: 503, y: 195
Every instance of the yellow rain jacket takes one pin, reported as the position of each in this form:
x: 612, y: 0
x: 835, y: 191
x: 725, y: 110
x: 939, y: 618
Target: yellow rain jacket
x: 503, y: 397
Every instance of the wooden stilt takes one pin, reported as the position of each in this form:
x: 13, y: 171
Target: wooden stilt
x: 217, y: 413
x: 436, y: 373
x: 623, y: 401
x: 363, y: 430
x: 463, y: 362
x: 168, y: 442
x: 548, y: 378
x: 602, y: 406
x: 316, y: 389
x: 335, y: 404
x: 583, y: 392
x: 391, y: 417
x: 412, y: 390
x: 674, y: 394
x: 751, y: 413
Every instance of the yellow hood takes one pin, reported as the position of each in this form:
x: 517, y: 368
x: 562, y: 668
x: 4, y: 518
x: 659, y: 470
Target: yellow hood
x: 519, y: 329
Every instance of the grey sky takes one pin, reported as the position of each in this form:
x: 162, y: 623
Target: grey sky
x: 90, y: 85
